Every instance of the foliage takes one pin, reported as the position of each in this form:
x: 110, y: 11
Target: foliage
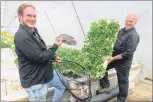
x: 6, y: 43
x: 71, y: 55
x: 98, y: 46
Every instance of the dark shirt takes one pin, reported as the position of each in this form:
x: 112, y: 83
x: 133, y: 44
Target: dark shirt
x: 33, y: 57
x: 126, y: 43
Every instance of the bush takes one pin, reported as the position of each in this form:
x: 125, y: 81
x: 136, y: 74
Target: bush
x: 98, y: 45
x: 71, y: 55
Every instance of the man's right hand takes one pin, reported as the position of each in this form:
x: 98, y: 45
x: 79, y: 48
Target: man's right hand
x: 58, y: 41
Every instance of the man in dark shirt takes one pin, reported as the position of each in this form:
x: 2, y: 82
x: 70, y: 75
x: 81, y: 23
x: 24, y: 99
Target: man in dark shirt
x: 121, y: 60
x: 35, y: 69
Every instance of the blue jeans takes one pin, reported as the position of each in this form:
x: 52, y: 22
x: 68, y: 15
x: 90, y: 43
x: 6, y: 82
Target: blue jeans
x: 39, y: 92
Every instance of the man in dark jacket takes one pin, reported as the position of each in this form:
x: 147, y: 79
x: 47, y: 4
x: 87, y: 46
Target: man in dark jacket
x: 121, y: 60
x: 35, y: 69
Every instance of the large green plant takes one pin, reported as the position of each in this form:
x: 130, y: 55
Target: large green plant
x: 98, y: 46
x: 71, y: 55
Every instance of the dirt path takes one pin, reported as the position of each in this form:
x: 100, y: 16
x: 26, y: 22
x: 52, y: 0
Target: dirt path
x: 142, y: 92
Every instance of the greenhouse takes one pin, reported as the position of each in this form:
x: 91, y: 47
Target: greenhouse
x: 89, y: 31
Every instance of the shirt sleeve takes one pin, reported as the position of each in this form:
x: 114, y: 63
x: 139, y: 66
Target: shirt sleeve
x: 29, y: 48
x: 130, y: 47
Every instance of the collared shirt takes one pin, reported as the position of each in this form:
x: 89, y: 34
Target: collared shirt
x: 33, y: 57
x: 126, y: 43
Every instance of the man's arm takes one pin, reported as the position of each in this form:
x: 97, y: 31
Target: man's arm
x: 29, y: 48
x: 132, y: 43
x: 117, y: 57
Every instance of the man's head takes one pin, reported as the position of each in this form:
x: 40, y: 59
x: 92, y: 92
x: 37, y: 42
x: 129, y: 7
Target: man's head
x: 27, y: 15
x: 131, y: 20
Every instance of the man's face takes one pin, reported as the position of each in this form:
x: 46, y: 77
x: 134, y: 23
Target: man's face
x: 130, y: 22
x: 29, y: 17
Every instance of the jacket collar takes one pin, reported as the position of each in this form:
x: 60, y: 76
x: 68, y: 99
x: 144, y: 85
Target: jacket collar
x: 28, y: 29
x: 128, y: 29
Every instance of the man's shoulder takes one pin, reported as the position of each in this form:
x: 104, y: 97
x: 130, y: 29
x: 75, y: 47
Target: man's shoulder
x: 21, y: 34
x: 134, y: 32
x: 122, y: 29
x: 134, y: 35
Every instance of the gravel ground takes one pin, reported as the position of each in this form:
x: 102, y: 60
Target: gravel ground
x: 141, y: 92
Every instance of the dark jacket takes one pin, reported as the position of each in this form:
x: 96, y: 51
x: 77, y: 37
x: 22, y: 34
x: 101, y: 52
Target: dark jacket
x: 33, y: 57
x: 126, y: 44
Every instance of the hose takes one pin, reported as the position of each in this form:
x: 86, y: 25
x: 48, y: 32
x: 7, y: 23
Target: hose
x: 57, y: 67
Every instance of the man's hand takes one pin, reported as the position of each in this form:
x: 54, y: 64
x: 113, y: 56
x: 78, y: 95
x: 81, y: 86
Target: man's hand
x: 111, y: 59
x: 58, y: 59
x: 58, y: 41
x: 117, y: 57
